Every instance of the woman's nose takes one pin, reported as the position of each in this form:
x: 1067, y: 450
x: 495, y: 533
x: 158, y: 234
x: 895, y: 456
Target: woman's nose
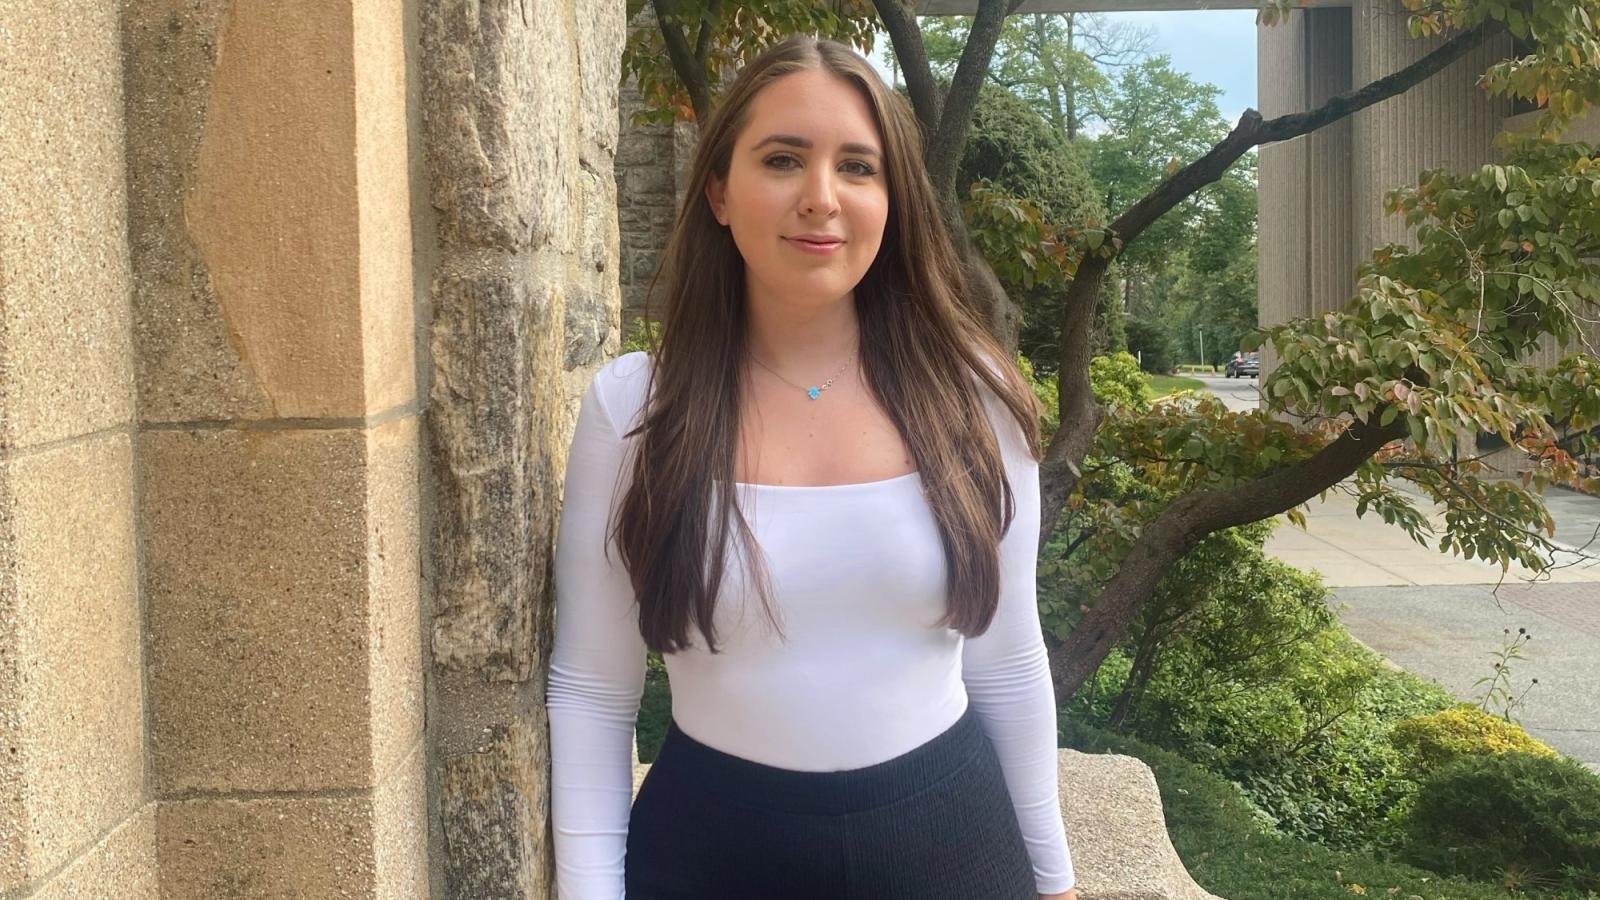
x: 820, y: 196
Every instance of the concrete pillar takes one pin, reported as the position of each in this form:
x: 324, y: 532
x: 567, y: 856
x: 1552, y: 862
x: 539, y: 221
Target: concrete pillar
x: 1446, y: 121
x: 278, y: 446
x: 1305, y: 236
x: 520, y: 120
x: 76, y: 817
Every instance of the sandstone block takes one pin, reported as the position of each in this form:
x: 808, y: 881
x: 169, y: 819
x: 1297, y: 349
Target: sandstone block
x: 65, y: 361
x: 266, y: 849
x: 72, y: 716
x: 256, y: 580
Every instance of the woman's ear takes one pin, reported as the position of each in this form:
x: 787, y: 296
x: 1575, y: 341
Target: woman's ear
x: 714, y: 195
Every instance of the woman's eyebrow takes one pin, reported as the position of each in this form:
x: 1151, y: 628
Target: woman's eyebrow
x: 794, y: 140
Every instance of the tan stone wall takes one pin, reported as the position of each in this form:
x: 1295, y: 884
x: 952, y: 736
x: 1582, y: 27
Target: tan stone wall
x: 75, y: 812
x: 211, y: 679
x: 279, y: 446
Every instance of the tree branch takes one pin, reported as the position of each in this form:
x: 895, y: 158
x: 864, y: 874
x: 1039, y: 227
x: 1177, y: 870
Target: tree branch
x: 691, y: 71
x: 1252, y: 130
x: 1187, y: 521
x: 944, y: 153
x: 702, y: 44
x: 901, y: 23
x: 1079, y: 414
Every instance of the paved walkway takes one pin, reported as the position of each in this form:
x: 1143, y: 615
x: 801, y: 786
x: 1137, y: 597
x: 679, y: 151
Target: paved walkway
x: 1443, y: 617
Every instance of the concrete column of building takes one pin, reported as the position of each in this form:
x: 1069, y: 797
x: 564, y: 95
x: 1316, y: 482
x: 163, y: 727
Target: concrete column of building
x: 278, y: 446
x: 519, y: 109
x: 76, y: 817
x: 1305, y: 241
x: 1446, y: 121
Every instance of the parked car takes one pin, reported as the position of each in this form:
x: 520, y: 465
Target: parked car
x: 1243, y: 364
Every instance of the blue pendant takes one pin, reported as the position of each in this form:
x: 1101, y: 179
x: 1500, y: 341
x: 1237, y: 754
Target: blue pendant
x: 814, y: 392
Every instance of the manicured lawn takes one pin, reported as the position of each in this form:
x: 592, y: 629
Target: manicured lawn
x: 1167, y: 384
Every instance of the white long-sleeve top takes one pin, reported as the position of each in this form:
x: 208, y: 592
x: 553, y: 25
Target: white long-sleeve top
x: 858, y: 577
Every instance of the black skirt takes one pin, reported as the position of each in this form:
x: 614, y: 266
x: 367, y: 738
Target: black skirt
x: 935, y: 823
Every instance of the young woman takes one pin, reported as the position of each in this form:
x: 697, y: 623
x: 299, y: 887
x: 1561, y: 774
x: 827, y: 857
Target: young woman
x: 818, y: 498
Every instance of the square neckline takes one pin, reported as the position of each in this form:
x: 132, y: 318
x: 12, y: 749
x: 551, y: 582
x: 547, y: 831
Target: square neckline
x: 830, y: 487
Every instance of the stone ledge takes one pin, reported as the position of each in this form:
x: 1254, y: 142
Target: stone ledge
x: 1118, y: 834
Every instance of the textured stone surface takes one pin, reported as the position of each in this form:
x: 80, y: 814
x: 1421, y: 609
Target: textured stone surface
x: 63, y: 245
x: 520, y: 130
x: 72, y: 762
x: 394, y: 614
x: 1118, y: 834
x: 495, y: 811
x: 496, y: 363
x: 122, y: 865
x: 264, y: 185
x: 189, y: 367
x: 593, y: 298
x: 501, y: 93
x: 1115, y: 827
x: 599, y: 50
x: 400, y: 830
x: 266, y: 849
x: 256, y: 583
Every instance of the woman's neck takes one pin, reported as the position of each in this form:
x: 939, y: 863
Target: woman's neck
x: 799, y: 341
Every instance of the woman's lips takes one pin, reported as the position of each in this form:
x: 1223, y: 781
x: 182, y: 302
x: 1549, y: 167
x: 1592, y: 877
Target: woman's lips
x: 815, y: 246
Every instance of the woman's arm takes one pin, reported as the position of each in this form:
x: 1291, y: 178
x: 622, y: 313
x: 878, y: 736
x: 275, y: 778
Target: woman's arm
x: 596, y: 667
x: 1007, y: 675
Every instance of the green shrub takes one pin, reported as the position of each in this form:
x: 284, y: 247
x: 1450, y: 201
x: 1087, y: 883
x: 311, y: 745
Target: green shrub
x: 1230, y: 848
x: 1434, y: 740
x: 1115, y: 378
x: 1484, y: 816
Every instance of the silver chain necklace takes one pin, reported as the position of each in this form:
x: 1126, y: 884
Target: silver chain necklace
x: 813, y: 391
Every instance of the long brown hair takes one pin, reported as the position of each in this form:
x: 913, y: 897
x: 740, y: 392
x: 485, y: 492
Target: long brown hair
x: 920, y: 348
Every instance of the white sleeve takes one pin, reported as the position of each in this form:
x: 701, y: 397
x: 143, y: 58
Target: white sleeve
x: 596, y: 668
x: 1007, y: 675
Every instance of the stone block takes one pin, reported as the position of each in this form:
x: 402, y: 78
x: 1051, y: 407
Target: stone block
x: 269, y: 217
x: 122, y: 865
x: 494, y: 804
x: 601, y: 32
x: 496, y: 429
x: 500, y: 110
x: 189, y: 363
x: 388, y: 320
x: 266, y: 849
x: 257, y: 590
x: 1117, y: 831
x: 67, y: 364
x: 72, y: 717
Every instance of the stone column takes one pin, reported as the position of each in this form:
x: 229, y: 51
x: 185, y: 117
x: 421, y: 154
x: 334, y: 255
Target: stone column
x: 520, y: 116
x: 278, y: 446
x: 76, y: 817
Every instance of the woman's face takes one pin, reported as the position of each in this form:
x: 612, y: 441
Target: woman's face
x: 806, y: 197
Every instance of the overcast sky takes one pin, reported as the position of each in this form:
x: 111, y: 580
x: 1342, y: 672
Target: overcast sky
x: 1216, y: 46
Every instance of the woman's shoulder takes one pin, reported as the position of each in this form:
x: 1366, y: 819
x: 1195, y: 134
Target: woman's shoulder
x: 621, y: 385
